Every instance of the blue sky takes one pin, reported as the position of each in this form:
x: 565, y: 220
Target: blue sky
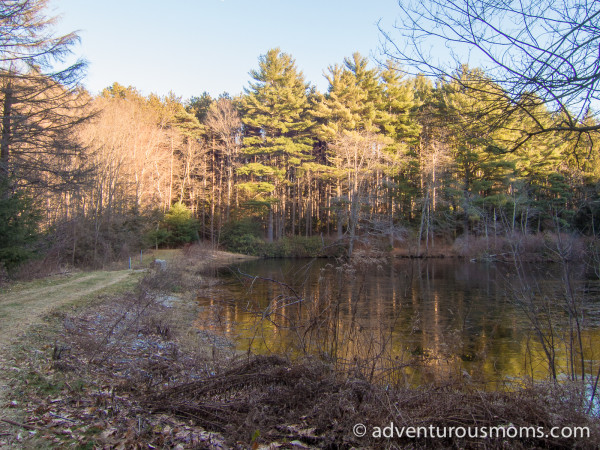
x: 191, y: 46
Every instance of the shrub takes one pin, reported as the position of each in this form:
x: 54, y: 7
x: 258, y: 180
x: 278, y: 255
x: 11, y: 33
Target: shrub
x: 295, y: 247
x: 181, y: 226
x: 528, y: 247
x: 85, y: 241
x: 248, y: 245
x: 158, y: 237
x: 242, y: 236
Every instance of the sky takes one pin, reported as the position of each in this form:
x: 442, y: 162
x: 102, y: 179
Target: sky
x: 192, y: 46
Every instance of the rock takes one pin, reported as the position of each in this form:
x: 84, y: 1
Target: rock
x: 160, y: 264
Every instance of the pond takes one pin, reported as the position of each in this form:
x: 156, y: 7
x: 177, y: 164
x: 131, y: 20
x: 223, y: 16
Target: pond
x: 414, y: 321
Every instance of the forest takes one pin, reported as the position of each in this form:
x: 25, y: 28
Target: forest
x: 379, y: 159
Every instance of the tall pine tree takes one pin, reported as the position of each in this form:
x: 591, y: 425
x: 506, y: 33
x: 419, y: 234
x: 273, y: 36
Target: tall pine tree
x: 277, y: 132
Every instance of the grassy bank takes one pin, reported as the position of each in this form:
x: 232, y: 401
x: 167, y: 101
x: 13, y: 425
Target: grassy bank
x: 131, y: 369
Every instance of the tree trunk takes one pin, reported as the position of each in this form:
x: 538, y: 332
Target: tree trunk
x: 270, y: 225
x: 6, y: 131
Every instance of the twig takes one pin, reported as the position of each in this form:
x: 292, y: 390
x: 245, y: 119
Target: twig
x: 63, y: 418
x: 22, y: 425
x: 594, y: 390
x: 280, y: 283
x: 28, y: 427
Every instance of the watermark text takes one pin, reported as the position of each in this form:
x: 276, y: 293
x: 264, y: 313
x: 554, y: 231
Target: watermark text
x: 489, y: 432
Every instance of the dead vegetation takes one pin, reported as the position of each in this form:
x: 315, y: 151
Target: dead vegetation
x: 277, y: 401
x: 540, y: 247
x: 132, y: 371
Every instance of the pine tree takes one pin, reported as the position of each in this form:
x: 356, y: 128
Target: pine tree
x: 18, y: 226
x: 277, y: 131
x: 400, y: 105
x: 353, y: 101
x: 40, y: 106
x: 482, y: 168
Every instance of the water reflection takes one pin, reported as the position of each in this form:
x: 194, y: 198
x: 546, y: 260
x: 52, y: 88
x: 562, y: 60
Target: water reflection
x: 435, y: 319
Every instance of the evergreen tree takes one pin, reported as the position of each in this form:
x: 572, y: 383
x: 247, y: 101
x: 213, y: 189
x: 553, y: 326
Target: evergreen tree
x: 277, y: 130
x: 181, y: 226
x: 353, y: 101
x: 40, y: 106
x: 19, y: 220
x: 400, y: 104
x: 199, y: 106
x: 482, y: 165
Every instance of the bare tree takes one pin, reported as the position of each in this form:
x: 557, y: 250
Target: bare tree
x: 40, y: 104
x: 358, y: 154
x: 541, y: 53
x: 224, y: 122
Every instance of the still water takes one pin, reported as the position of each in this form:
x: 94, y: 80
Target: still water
x: 413, y: 320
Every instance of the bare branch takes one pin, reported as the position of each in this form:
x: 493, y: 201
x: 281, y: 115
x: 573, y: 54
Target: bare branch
x: 540, y: 53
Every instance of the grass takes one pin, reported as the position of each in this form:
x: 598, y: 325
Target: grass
x: 53, y: 280
x: 33, y: 314
x: 120, y: 288
x: 27, y: 303
x: 148, y: 257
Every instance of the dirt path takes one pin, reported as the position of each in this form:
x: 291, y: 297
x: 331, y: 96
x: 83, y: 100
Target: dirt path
x: 21, y: 309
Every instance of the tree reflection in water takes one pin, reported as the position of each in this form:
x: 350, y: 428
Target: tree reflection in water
x: 407, y: 321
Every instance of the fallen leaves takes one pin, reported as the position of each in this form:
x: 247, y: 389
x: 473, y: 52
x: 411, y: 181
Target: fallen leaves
x: 87, y: 396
